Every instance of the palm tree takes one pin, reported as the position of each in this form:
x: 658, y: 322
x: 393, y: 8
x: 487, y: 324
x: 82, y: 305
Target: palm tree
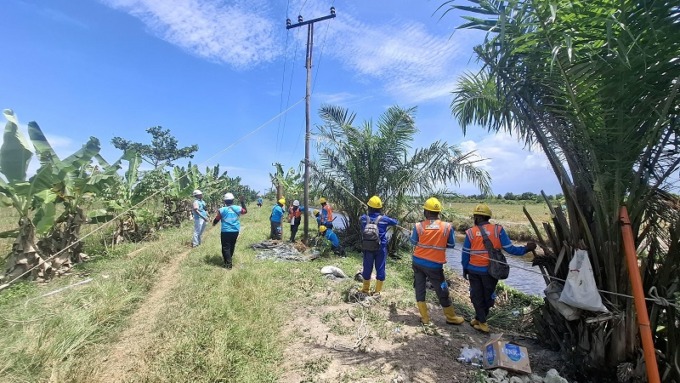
x: 595, y: 84
x: 357, y: 162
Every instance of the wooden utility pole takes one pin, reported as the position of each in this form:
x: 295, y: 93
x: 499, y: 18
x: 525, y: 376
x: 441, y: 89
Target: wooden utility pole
x: 308, y: 66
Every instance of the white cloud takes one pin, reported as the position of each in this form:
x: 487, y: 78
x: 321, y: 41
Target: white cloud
x: 512, y: 167
x: 236, y: 32
x: 414, y: 63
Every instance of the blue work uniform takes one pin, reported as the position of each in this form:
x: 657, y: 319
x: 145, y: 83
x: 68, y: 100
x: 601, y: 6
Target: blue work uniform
x: 276, y: 218
x: 377, y: 258
x: 333, y: 238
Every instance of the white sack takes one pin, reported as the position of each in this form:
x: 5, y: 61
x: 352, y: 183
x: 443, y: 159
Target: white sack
x: 552, y: 294
x: 580, y: 289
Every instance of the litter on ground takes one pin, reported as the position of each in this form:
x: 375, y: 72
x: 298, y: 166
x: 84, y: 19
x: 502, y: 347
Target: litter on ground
x: 333, y: 272
x: 274, y: 250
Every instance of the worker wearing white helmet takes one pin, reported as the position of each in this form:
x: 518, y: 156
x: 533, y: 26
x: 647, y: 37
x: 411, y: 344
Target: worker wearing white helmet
x: 200, y: 217
x: 231, y: 226
x: 294, y: 216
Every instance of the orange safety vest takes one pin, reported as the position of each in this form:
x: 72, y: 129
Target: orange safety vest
x: 294, y: 214
x: 432, y: 239
x: 479, y: 256
x: 329, y: 212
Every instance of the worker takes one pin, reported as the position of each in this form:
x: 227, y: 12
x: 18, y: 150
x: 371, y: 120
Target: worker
x: 276, y: 218
x: 333, y: 239
x: 371, y: 222
x: 200, y: 217
x: 475, y: 260
x: 294, y: 216
x: 317, y: 215
x: 431, y: 237
x: 259, y: 201
x: 229, y: 216
x: 326, y: 213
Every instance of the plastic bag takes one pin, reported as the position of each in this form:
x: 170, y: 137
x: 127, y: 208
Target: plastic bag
x: 580, y: 289
x: 552, y: 294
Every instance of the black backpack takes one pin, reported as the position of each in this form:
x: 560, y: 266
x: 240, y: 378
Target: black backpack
x: 370, y: 236
x: 498, y: 265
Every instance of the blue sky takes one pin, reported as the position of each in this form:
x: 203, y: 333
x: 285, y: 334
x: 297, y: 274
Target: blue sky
x: 212, y: 71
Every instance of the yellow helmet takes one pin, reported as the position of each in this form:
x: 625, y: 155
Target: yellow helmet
x: 433, y: 204
x: 322, y: 200
x: 282, y: 201
x: 316, y: 212
x: 322, y: 229
x: 482, y: 209
x: 375, y: 202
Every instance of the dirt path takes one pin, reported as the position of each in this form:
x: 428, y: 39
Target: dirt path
x: 383, y: 342
x: 125, y: 355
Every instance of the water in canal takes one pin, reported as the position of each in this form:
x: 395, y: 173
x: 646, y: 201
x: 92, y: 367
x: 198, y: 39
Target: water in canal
x: 524, y: 281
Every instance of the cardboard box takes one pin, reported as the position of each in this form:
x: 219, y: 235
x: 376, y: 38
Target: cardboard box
x: 506, y: 355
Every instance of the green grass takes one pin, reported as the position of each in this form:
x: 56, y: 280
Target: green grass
x: 53, y: 337
x: 216, y: 325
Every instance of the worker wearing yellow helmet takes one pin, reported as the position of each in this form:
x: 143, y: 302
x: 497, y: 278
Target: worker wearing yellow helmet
x: 276, y: 219
x: 374, y: 244
x: 431, y: 237
x: 475, y: 260
x: 328, y: 233
x: 326, y: 213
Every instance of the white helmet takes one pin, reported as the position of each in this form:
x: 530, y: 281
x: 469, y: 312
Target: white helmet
x: 296, y: 203
x: 197, y: 192
x: 228, y: 197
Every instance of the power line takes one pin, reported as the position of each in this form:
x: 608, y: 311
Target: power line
x: 4, y: 286
x: 283, y: 81
x: 323, y: 45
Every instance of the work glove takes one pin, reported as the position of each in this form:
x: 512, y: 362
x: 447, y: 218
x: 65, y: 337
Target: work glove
x: 465, y: 275
x: 531, y: 246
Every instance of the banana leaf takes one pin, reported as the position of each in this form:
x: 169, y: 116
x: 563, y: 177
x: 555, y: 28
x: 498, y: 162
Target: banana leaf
x: 15, y: 152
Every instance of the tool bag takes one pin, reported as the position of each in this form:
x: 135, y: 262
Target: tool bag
x: 498, y: 265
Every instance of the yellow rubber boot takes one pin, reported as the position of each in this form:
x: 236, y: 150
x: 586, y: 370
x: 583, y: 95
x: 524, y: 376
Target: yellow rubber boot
x: 483, y: 327
x: 367, y: 285
x: 378, y: 287
x: 424, y: 315
x: 451, y: 317
x: 474, y: 322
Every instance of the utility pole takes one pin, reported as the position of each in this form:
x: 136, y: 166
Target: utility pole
x: 308, y: 65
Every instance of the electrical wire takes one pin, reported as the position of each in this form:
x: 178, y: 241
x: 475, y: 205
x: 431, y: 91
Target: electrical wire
x: 6, y: 285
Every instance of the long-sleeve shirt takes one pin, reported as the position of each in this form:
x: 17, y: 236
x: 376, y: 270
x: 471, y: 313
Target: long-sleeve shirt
x: 384, y: 223
x: 277, y: 214
x: 450, y: 243
x: 506, y: 243
x: 331, y: 236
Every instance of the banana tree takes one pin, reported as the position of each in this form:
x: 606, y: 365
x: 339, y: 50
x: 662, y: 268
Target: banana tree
x: 56, y: 182
x: 133, y: 223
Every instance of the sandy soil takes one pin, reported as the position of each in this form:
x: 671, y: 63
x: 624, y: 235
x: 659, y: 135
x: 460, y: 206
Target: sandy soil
x: 382, y: 343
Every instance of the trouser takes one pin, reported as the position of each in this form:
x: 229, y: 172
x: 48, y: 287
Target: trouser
x: 293, y: 231
x: 276, y: 230
x: 482, y: 288
x: 339, y: 250
x: 436, y: 276
x: 377, y: 258
x: 199, y: 227
x: 228, y: 240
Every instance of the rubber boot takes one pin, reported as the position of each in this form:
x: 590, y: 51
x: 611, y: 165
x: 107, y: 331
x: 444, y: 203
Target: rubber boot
x: 424, y: 315
x: 451, y: 317
x: 474, y: 322
x: 366, y: 287
x: 378, y: 287
x: 483, y: 327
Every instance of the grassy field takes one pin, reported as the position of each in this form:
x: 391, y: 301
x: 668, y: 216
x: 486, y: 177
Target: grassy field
x: 162, y: 312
